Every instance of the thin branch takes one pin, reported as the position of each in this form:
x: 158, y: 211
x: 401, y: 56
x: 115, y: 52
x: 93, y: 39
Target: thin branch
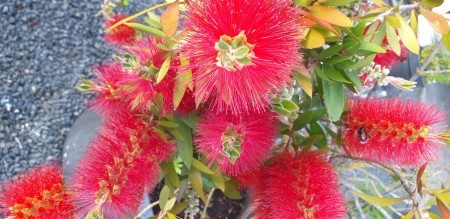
x: 207, y: 203
x: 151, y: 205
x: 411, y: 192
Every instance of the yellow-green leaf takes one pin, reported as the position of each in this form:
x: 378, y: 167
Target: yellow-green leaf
x: 169, y: 204
x: 431, y: 3
x: 164, y: 196
x: 179, y: 91
x: 444, y: 196
x: 164, y: 69
x: 409, y: 215
x: 336, y: 2
x: 437, y: 21
x: 393, y: 21
x: 305, y: 83
x: 218, y: 180
x: 167, y: 124
x: 330, y: 15
x: 200, y: 166
x: 407, y: 35
x: 446, y: 40
x: 147, y: 29
x: 195, y: 177
x: 314, y: 39
x: 170, y: 19
x: 414, y: 21
x: 392, y: 39
x: 380, y: 201
x: 171, y: 216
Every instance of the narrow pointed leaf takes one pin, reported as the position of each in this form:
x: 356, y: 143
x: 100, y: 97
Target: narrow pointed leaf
x: 380, y: 201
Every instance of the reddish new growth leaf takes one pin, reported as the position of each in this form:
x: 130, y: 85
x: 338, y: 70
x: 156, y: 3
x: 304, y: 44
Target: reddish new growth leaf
x: 298, y: 186
x: 120, y: 35
x: 39, y: 193
x: 393, y: 131
x: 239, y: 144
x: 119, y: 166
x: 241, y: 50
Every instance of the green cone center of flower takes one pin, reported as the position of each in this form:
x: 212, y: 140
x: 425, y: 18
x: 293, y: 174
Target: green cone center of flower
x: 234, y: 52
x: 232, y: 144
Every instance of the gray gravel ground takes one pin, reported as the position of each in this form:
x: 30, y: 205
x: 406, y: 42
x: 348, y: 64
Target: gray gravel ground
x: 45, y: 48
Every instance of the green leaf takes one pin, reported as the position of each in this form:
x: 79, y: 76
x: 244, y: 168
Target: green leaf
x: 164, y: 196
x: 354, y: 79
x: 218, y: 180
x: 200, y: 166
x: 164, y: 69
x: 336, y: 2
x: 380, y: 201
x: 330, y: 51
x: 407, y: 35
x: 336, y: 59
x: 289, y: 105
x: 185, y: 148
x: 281, y: 111
x: 147, y: 29
x: 231, y: 190
x: 372, y: 47
x: 335, y: 74
x: 305, y: 83
x: 167, y: 124
x: 393, y: 21
x: 173, y: 176
x: 333, y: 93
x: 302, y: 120
x: 169, y: 205
x: 195, y: 177
x: 393, y: 40
x: 431, y: 3
x: 365, y: 62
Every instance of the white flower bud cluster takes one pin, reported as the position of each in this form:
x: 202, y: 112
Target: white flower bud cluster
x: 376, y: 72
x: 193, y: 202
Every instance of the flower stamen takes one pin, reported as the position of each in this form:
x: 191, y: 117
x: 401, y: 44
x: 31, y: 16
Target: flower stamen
x: 234, y: 53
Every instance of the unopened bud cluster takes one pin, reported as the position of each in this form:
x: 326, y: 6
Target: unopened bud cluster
x: 193, y: 201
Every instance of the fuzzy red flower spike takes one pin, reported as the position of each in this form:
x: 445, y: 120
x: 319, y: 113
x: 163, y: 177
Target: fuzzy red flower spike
x: 298, y: 186
x: 120, y: 35
x: 119, y: 166
x: 393, y: 131
x: 38, y: 194
x: 239, y: 144
x: 241, y: 51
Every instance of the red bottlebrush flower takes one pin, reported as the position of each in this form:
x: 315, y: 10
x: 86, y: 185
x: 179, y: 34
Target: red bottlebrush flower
x: 108, y: 87
x: 390, y: 58
x: 120, y: 35
x: 119, y: 166
x: 300, y: 186
x: 239, y: 144
x: 392, y: 131
x: 142, y: 88
x: 241, y: 50
x: 39, y: 193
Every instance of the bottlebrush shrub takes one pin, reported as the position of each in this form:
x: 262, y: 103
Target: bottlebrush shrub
x: 243, y: 88
x: 238, y: 143
x: 298, y: 186
x: 121, y: 34
x: 393, y: 131
x: 40, y: 193
x: 241, y: 46
x: 119, y: 166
